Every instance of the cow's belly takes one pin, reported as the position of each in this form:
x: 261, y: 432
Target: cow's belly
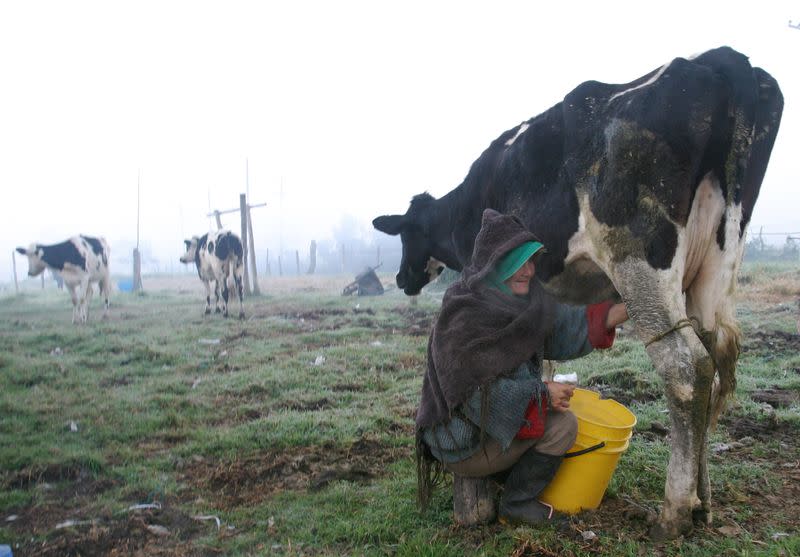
x: 581, y: 282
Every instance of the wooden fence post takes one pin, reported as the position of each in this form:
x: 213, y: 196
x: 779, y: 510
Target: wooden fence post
x: 297, y: 259
x: 256, y: 290
x: 14, y: 264
x: 243, y: 212
x: 137, y: 271
x: 312, y: 257
x: 280, y: 267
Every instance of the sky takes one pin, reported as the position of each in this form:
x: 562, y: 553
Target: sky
x: 325, y: 111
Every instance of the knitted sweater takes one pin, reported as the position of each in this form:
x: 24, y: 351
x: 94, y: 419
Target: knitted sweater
x: 509, y: 395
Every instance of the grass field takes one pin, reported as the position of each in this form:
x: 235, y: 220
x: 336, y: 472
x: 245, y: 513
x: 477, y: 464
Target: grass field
x: 159, y: 431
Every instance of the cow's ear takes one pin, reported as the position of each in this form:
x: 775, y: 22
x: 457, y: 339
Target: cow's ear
x: 23, y: 251
x: 390, y: 224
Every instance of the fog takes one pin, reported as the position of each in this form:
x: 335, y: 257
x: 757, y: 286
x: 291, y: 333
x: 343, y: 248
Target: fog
x: 331, y: 113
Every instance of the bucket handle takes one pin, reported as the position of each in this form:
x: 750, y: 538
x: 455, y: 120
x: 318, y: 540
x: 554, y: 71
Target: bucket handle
x: 600, y: 445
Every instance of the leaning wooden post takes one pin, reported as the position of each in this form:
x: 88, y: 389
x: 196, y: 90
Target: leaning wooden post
x: 14, y: 264
x: 256, y: 290
x: 243, y: 211
x: 473, y: 500
x: 219, y: 220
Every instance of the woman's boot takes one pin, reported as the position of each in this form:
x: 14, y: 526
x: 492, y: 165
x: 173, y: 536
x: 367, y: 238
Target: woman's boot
x: 528, y: 477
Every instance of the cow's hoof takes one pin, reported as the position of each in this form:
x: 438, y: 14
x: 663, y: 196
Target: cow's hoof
x: 241, y: 315
x: 662, y: 531
x: 217, y: 310
x: 207, y: 312
x: 702, y: 516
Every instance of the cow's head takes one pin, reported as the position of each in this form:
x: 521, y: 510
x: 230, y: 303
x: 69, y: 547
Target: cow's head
x: 191, y: 250
x: 419, y: 264
x: 36, y: 264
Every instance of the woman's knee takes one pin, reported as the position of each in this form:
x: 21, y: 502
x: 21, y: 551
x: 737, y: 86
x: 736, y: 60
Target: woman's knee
x: 560, y: 433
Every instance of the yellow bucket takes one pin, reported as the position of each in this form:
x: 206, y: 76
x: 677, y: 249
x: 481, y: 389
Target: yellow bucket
x: 604, y: 431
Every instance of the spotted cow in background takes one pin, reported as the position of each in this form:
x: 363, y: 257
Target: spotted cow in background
x: 643, y: 191
x: 79, y: 262
x: 219, y: 259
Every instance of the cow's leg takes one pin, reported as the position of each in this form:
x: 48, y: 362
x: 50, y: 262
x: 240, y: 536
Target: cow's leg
x: 208, y: 296
x: 105, y: 288
x: 73, y: 294
x: 656, y: 305
x: 709, y: 301
x: 237, y: 278
x: 88, y: 303
x: 225, y: 290
x: 216, y: 296
x: 83, y: 293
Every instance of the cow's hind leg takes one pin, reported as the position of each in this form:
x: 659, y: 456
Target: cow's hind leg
x: 709, y: 302
x: 656, y: 305
x: 225, y: 292
x: 88, y: 301
x: 105, y: 288
x: 73, y: 294
x: 216, y: 297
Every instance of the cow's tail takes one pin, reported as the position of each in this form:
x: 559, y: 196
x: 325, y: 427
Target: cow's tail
x: 723, y: 344
x: 756, y: 106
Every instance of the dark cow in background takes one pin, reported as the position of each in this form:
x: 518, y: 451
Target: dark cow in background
x: 79, y: 261
x: 219, y: 258
x: 643, y: 191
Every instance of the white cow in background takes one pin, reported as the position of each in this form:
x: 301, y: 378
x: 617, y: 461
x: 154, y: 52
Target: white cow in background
x: 218, y: 257
x: 79, y: 261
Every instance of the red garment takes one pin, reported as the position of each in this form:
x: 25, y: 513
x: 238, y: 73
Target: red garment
x: 596, y: 315
x: 535, y: 416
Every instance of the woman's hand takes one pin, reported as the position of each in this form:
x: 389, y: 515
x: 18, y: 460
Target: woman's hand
x: 560, y: 393
x: 617, y: 315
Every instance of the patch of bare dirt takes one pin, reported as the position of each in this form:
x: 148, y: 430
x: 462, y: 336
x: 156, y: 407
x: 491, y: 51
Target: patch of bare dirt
x: 767, y: 430
x: 777, y: 398
x: 249, y: 480
x: 306, y: 406
x: 771, y: 342
x: 164, y: 531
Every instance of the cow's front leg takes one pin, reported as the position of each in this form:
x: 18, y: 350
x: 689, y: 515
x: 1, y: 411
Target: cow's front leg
x: 208, y: 297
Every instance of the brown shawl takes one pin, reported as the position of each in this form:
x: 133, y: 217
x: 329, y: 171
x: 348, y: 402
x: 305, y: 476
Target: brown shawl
x: 480, y: 333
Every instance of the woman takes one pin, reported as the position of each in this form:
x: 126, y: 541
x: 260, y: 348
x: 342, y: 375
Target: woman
x: 484, y: 407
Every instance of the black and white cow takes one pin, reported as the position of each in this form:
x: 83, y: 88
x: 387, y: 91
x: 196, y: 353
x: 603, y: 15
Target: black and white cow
x: 219, y: 258
x: 79, y: 261
x: 642, y: 190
